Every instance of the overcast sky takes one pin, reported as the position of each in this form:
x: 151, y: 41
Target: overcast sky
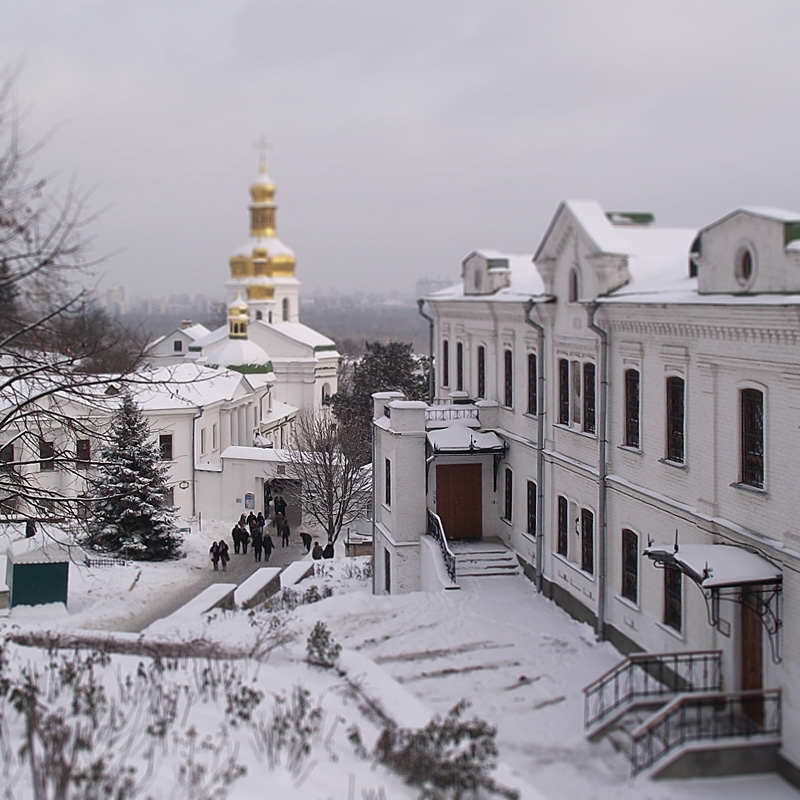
x: 404, y: 134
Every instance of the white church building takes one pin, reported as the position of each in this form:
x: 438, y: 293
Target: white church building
x: 620, y: 411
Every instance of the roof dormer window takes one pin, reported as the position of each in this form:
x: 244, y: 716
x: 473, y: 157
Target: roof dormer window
x: 574, y: 289
x: 745, y: 266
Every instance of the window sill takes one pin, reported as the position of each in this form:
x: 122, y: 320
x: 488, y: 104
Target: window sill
x: 671, y: 631
x: 627, y: 603
x: 506, y: 521
x: 670, y: 463
x: 630, y: 449
x: 746, y: 487
x: 573, y: 566
x: 578, y: 431
x: 530, y: 415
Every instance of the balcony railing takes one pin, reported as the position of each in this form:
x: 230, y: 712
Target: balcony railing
x: 651, y: 675
x: 706, y: 718
x: 436, y: 530
x: 450, y: 413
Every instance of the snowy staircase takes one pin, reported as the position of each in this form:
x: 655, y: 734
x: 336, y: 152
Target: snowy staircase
x: 483, y: 558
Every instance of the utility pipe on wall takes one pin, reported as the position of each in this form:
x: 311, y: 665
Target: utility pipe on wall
x: 591, y: 309
x: 540, y: 411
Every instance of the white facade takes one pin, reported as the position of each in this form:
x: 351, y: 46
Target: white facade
x: 643, y: 381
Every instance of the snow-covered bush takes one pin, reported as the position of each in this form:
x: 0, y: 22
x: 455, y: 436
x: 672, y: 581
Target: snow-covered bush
x: 321, y: 649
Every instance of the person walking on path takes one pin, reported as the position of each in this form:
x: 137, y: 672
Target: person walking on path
x: 280, y: 505
x: 258, y: 543
x: 260, y: 523
x: 316, y: 553
x: 328, y: 551
x: 224, y: 554
x: 277, y: 523
x: 268, y: 546
x: 244, y: 537
x: 214, y: 553
x: 236, y: 535
x: 285, y: 534
x: 306, y: 537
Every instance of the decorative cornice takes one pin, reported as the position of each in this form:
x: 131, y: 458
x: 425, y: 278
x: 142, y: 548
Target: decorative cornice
x: 692, y: 330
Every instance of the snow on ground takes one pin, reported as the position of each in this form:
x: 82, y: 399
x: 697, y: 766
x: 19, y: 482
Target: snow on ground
x: 518, y: 658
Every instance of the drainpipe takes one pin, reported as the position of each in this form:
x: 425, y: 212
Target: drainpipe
x: 194, y: 462
x: 431, y: 377
x: 374, y: 514
x: 591, y: 309
x: 540, y: 410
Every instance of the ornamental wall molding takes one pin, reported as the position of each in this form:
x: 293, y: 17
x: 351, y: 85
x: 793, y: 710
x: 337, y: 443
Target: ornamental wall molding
x: 691, y: 330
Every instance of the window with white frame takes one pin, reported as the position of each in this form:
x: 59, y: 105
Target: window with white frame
x: 482, y: 371
x: 632, y: 408
x: 562, y: 543
x: 445, y: 363
x: 630, y: 566
x: 675, y: 419
x: 508, y: 505
x: 508, y: 378
x: 532, y: 384
x: 587, y: 541
x: 387, y: 477
x: 460, y: 367
x: 577, y: 394
x: 673, y: 598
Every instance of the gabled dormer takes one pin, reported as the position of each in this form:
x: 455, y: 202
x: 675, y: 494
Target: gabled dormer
x: 750, y: 251
x: 485, y: 272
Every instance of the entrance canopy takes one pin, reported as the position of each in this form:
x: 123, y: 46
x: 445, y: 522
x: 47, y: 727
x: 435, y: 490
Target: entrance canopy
x: 457, y: 439
x: 716, y: 566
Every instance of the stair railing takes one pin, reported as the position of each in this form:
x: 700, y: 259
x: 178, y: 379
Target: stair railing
x: 651, y: 675
x: 706, y: 718
x: 436, y: 530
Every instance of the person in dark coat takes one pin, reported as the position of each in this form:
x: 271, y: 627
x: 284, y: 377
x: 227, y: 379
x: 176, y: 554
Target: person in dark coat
x: 236, y: 535
x: 328, y: 551
x: 243, y: 522
x: 213, y: 551
x: 258, y: 542
x: 285, y: 534
x: 244, y: 538
x: 269, y: 545
x: 316, y: 553
x: 224, y: 554
x: 260, y: 522
x: 251, y: 518
x: 277, y: 523
x: 306, y: 537
x: 30, y: 529
x: 280, y: 505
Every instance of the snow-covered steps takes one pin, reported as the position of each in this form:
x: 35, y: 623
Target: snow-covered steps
x: 482, y: 558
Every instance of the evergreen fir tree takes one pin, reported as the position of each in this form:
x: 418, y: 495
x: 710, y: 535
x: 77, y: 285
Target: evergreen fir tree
x: 132, y: 512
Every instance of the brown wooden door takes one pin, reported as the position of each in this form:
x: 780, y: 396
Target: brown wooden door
x: 458, y: 500
x: 752, y: 655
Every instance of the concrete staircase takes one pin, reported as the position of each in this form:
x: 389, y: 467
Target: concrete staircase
x: 483, y: 558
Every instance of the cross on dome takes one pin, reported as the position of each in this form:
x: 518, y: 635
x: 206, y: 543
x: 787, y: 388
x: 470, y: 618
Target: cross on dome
x: 262, y: 145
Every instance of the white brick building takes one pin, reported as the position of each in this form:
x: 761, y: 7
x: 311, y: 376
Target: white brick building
x: 638, y: 382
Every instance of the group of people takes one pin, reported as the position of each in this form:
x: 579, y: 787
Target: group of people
x: 250, y: 530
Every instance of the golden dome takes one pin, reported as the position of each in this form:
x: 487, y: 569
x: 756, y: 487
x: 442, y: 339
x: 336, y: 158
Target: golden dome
x: 263, y: 190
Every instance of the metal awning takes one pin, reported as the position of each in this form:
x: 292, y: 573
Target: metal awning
x: 731, y: 573
x: 459, y: 440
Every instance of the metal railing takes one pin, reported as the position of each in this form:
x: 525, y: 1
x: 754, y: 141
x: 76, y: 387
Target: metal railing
x: 701, y: 718
x: 651, y: 675
x: 105, y: 563
x: 436, y: 530
x: 450, y: 413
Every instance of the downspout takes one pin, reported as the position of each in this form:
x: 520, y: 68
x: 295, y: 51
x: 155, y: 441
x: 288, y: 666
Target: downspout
x: 374, y: 516
x: 602, y: 471
x: 540, y: 410
x: 194, y: 462
x: 431, y: 377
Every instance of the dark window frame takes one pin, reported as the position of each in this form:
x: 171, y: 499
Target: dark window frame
x: 508, y: 378
x: 533, y: 385
x: 508, y: 496
x: 7, y: 457
x: 532, y: 491
x: 165, y: 446
x: 673, y: 598
x: 676, y: 419
x: 630, y: 565
x: 562, y: 543
x: 563, y: 391
x: 481, y: 371
x: 632, y: 408
x: 446, y: 363
x: 587, y: 541
x: 47, y: 455
x: 387, y: 571
x: 83, y: 453
x: 459, y: 366
x: 387, y: 483
x: 589, y: 397
x: 751, y: 414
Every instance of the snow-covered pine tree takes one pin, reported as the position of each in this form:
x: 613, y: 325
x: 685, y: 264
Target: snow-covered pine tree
x: 132, y: 513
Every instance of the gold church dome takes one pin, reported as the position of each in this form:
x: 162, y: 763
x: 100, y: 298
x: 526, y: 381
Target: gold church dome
x: 263, y: 190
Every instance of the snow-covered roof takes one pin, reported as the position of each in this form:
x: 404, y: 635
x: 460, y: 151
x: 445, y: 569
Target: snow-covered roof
x: 271, y: 244
x: 186, y: 385
x: 256, y: 454
x: 237, y: 352
x: 279, y: 413
x: 301, y: 333
x: 524, y: 280
x: 461, y: 439
x: 718, y: 565
x: 193, y: 332
x: 52, y: 547
x: 212, y: 337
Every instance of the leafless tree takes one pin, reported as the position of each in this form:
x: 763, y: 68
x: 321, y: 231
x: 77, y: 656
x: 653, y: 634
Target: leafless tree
x: 336, y: 489
x: 58, y: 352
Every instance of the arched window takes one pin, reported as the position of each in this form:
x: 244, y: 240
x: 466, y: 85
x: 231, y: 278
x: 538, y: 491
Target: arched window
x: 675, y: 420
x: 752, y: 437
x: 326, y: 393
x: 481, y: 371
x: 285, y: 309
x: 259, y: 315
x: 269, y: 317
x: 460, y: 367
x: 446, y: 363
x: 630, y: 566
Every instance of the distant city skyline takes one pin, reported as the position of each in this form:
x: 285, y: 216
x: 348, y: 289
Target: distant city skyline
x: 404, y: 135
